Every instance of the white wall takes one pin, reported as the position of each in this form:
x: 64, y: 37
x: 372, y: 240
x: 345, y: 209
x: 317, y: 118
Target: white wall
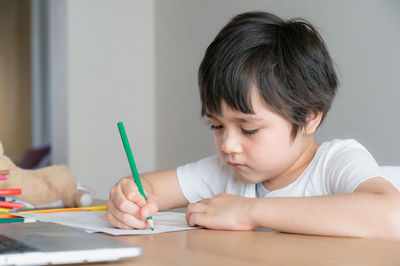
x: 109, y: 78
x: 363, y: 37
x: 137, y: 61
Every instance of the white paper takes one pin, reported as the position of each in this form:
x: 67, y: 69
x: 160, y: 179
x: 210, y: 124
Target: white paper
x: 95, y: 221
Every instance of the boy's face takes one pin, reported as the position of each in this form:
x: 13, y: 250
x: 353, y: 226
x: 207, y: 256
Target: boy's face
x: 258, y: 146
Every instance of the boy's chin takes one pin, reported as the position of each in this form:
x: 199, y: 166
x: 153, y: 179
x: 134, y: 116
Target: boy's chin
x: 248, y: 179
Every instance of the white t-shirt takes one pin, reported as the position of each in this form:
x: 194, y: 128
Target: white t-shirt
x: 338, y: 166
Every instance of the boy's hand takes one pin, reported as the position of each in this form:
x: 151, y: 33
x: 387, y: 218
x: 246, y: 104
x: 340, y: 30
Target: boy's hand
x: 225, y: 212
x: 126, y: 207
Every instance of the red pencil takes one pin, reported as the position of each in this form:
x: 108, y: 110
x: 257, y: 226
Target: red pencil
x: 11, y: 205
x: 10, y: 191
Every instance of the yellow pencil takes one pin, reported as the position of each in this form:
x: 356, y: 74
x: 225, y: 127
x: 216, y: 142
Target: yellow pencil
x: 4, y: 210
x: 90, y: 208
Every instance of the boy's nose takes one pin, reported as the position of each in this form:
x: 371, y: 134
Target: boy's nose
x: 230, y: 143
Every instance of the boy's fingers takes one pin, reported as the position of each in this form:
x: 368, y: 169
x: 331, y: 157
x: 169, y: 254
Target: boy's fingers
x: 195, y: 214
x: 126, y: 221
x: 126, y: 206
x: 196, y: 219
x: 196, y: 208
x: 114, y: 222
x: 131, y: 192
x: 123, y: 220
x: 150, y: 208
x: 116, y: 212
x: 121, y: 202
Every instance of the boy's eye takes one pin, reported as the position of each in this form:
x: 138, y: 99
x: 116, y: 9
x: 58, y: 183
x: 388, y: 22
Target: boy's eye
x: 213, y: 127
x: 249, y: 131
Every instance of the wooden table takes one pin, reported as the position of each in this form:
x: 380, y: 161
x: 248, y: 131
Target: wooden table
x: 209, y: 247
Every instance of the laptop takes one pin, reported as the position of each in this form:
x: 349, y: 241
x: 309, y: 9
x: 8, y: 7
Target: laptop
x: 50, y: 243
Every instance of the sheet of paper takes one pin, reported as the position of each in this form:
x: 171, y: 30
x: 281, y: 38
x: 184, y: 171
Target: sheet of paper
x: 95, y: 221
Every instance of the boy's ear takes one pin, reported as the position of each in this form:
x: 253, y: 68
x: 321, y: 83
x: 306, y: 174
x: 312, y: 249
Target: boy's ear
x: 313, y: 121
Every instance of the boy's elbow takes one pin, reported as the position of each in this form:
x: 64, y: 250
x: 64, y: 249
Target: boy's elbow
x: 390, y: 227
x: 384, y: 221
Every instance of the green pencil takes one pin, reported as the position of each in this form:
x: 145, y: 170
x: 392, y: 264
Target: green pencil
x: 15, y: 220
x: 132, y: 164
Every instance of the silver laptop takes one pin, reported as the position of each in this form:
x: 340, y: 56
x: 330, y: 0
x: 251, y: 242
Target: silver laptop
x: 50, y: 243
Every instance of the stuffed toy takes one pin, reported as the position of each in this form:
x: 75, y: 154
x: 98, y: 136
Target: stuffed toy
x: 53, y: 185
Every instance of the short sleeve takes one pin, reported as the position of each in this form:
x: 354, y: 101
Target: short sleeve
x: 350, y: 165
x: 203, y: 179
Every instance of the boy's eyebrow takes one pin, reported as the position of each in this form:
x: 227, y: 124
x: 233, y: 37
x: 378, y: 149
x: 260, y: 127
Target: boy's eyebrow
x: 249, y: 118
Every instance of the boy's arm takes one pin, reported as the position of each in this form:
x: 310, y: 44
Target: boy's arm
x: 128, y: 209
x: 165, y: 186
x: 373, y: 210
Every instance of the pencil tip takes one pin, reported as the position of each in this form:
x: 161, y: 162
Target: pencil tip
x: 151, y: 223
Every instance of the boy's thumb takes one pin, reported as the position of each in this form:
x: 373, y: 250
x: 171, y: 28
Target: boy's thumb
x: 150, y: 208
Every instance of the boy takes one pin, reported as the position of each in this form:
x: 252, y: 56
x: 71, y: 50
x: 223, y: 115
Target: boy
x: 266, y: 84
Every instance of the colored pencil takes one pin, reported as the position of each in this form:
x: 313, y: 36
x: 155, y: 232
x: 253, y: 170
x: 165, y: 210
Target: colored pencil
x: 15, y: 220
x: 90, y: 208
x: 3, y: 177
x: 11, y: 205
x: 11, y: 199
x: 4, y: 210
x: 132, y: 164
x: 7, y: 215
x: 10, y: 191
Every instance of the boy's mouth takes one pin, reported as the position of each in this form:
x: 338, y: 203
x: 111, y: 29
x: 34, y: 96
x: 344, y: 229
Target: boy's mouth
x: 236, y: 165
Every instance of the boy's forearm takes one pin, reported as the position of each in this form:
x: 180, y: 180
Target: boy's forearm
x: 165, y: 187
x: 353, y: 214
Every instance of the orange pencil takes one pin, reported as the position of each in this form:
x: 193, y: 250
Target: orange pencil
x: 7, y: 215
x: 78, y: 209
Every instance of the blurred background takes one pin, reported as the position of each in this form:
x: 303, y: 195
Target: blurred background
x: 71, y: 69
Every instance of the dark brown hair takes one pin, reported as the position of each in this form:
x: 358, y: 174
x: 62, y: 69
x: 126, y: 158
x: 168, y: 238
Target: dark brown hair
x: 286, y: 60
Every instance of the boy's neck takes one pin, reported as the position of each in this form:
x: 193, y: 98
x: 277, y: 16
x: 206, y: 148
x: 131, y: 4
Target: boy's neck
x: 296, y: 170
